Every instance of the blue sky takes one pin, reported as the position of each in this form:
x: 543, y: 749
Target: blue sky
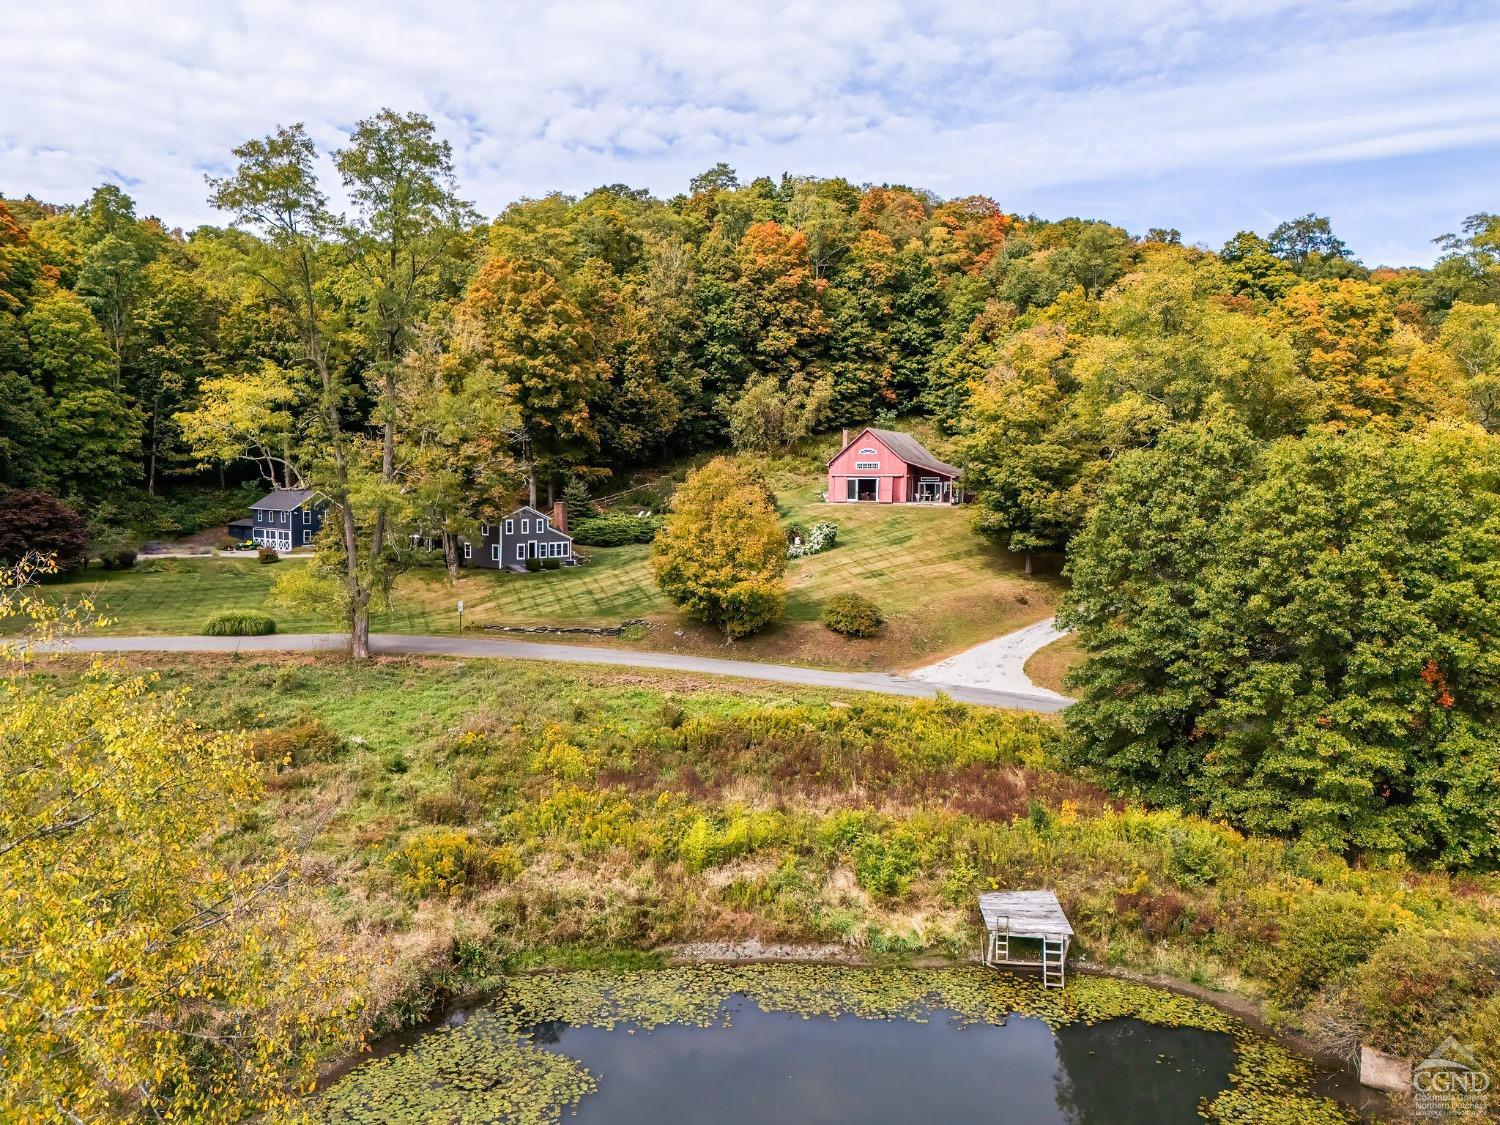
x: 1211, y: 117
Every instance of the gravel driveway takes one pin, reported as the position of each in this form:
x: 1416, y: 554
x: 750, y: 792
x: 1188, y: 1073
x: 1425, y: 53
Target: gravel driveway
x: 998, y: 665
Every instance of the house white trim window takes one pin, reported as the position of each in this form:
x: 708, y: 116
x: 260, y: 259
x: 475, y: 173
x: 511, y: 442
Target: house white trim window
x: 867, y: 464
x: 541, y: 523
x: 468, y: 550
x: 306, y: 516
x: 259, y: 516
x: 525, y: 527
x: 484, y: 529
x: 510, y: 527
x: 495, y: 553
x: 521, y: 550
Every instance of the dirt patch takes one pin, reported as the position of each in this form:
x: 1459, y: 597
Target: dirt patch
x: 754, y: 950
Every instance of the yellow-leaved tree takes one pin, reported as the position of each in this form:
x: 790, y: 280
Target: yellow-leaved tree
x: 722, y: 554
x: 147, y: 968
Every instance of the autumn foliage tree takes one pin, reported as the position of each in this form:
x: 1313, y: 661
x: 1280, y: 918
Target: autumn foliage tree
x: 545, y: 354
x: 146, y: 974
x: 721, y: 555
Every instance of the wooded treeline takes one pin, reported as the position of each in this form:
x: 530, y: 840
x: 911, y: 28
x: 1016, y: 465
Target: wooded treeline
x: 617, y: 327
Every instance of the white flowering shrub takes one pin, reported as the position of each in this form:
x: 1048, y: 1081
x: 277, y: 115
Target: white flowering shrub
x: 819, y: 538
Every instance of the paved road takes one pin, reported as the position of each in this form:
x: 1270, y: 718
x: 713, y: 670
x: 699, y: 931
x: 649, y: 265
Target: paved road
x: 1000, y: 664
x: 398, y: 644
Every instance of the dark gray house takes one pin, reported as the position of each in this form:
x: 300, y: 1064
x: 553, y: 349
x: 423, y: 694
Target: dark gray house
x: 524, y: 534
x: 286, y: 518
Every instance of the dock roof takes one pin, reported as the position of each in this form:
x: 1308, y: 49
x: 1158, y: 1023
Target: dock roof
x: 1030, y: 914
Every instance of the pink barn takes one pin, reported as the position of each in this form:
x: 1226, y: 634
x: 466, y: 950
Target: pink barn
x: 886, y: 467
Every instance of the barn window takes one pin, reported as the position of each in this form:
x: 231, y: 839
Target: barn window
x: 867, y: 452
x: 867, y: 464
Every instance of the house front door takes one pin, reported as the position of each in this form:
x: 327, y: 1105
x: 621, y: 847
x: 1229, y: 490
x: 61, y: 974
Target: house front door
x: 864, y: 489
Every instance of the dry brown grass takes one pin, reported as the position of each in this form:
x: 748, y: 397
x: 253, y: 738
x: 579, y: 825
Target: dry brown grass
x: 1050, y: 666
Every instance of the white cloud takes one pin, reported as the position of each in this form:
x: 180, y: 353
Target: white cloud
x: 1032, y: 102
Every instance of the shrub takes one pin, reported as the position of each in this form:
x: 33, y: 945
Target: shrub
x: 552, y: 564
x: 1325, y: 935
x: 533, y: 565
x: 615, y: 530
x: 885, y: 865
x: 448, y: 861
x: 441, y: 808
x: 267, y: 555
x: 309, y: 741
x: 239, y: 623
x: 121, y: 559
x: 33, y: 520
x: 819, y: 539
x: 852, y: 615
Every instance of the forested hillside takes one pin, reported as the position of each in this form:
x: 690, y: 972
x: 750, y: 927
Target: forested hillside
x: 618, y: 326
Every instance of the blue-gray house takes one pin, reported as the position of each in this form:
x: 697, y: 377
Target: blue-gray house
x: 286, y: 518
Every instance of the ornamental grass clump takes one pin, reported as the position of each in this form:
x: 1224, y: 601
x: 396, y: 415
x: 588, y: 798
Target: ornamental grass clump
x: 239, y: 623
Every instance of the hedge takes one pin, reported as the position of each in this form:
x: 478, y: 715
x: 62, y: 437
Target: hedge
x: 615, y: 530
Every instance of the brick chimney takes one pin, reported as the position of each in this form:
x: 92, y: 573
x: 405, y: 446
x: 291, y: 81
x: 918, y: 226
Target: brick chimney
x: 844, y: 440
x: 560, y: 516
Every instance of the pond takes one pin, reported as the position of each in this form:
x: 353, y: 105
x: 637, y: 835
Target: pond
x: 777, y: 1066
x: 777, y: 1044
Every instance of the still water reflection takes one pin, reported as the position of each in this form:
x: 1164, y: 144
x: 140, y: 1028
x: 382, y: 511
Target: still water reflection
x: 780, y: 1067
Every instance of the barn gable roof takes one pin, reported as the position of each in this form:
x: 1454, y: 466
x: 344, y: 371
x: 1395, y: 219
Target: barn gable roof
x: 904, y: 446
x: 283, y: 500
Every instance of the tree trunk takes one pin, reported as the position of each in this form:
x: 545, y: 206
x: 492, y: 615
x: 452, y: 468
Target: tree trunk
x: 359, y: 632
x: 450, y: 555
x: 1028, y: 562
x: 531, y: 485
x: 551, y: 498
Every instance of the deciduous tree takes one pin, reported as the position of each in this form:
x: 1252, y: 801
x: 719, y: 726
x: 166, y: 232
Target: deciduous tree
x: 721, y: 555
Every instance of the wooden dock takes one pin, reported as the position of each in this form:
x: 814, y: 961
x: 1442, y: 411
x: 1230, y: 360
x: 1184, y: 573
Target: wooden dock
x: 1032, y: 916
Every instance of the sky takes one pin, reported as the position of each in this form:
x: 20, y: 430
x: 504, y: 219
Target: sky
x: 1211, y: 116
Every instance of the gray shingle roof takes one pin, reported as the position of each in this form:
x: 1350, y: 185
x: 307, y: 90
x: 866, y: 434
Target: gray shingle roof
x: 909, y: 449
x: 282, y: 500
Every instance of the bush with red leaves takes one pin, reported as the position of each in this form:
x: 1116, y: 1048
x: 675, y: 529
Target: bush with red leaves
x: 33, y: 520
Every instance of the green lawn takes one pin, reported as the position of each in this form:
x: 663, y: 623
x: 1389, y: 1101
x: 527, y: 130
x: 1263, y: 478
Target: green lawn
x: 941, y: 586
x: 179, y: 595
